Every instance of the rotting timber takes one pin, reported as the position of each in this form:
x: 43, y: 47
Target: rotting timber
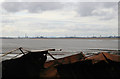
x: 33, y: 65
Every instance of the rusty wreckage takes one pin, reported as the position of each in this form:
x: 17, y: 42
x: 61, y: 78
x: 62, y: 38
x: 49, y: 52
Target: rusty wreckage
x: 33, y: 65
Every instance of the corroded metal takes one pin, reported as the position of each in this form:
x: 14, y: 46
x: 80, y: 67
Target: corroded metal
x: 65, y: 60
x: 78, y: 66
x: 104, y: 57
x: 51, y: 71
x: 102, y: 65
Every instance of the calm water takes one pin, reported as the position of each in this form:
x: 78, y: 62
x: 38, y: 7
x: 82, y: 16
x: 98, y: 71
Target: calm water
x: 65, y: 44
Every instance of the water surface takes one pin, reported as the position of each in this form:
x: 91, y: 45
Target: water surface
x: 65, y: 44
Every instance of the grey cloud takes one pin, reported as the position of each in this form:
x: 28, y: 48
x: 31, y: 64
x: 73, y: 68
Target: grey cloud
x: 83, y: 8
x: 32, y: 7
x: 107, y: 18
x: 7, y: 21
x: 119, y: 9
x: 86, y: 8
x: 108, y: 4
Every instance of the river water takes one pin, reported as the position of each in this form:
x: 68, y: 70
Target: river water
x: 64, y: 44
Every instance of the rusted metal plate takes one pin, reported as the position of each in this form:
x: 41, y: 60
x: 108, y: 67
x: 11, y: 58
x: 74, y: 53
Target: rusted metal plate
x: 104, y: 57
x: 112, y: 57
x: 103, y: 65
x: 51, y: 70
x: 65, y: 60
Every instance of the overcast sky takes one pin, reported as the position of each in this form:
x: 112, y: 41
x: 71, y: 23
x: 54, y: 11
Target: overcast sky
x: 59, y: 18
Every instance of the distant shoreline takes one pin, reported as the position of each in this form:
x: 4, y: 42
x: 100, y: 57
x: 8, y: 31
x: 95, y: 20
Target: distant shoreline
x: 60, y: 38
